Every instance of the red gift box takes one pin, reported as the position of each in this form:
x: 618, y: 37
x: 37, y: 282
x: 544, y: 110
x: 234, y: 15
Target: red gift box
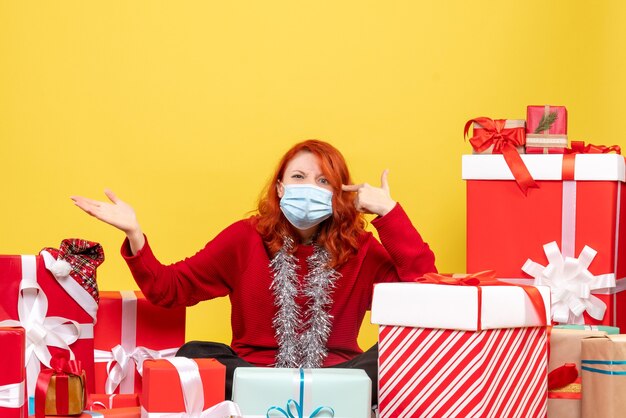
x: 552, y: 139
x: 130, y: 329
x: 13, y: 402
x: 169, y: 385
x: 577, y: 210
x: 460, y: 350
x: 535, y: 115
x: 98, y: 401
x: 58, y: 308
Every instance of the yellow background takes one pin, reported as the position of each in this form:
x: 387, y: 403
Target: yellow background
x: 184, y: 107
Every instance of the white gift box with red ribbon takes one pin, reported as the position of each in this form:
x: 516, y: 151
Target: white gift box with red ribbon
x: 460, y: 350
x: 565, y: 234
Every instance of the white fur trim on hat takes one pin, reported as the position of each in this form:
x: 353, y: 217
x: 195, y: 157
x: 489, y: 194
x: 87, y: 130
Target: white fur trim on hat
x: 60, y: 268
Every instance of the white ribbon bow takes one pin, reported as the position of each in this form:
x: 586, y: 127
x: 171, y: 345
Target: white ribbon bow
x: 121, y: 364
x: 571, y: 284
x: 193, y: 395
x: 41, y: 331
x: 12, y: 395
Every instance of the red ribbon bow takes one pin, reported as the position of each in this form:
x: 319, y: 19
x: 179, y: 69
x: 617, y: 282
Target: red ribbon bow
x: 474, y: 279
x: 61, y: 367
x: 504, y: 142
x: 562, y: 376
x: 579, y: 147
x: 486, y: 278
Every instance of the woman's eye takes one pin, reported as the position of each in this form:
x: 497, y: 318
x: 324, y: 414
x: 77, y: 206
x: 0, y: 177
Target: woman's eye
x: 324, y: 181
x: 297, y: 176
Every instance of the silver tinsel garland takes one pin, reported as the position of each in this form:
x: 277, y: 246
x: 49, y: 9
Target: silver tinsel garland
x: 302, y: 336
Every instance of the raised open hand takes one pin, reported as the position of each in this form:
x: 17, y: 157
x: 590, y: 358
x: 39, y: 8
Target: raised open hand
x: 371, y: 199
x: 117, y: 213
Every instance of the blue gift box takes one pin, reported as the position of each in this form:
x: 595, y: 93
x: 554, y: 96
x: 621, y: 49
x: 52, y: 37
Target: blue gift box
x: 302, y: 393
x: 609, y: 330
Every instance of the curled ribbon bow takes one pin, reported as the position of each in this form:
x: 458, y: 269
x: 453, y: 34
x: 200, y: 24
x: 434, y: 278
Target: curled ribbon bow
x: 298, y: 407
x: 570, y: 283
x: 122, y: 364
x: 474, y: 279
x: 504, y: 142
x: 562, y: 376
x: 579, y: 147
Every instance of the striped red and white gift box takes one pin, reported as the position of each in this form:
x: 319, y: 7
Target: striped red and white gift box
x: 461, y: 350
x: 436, y: 372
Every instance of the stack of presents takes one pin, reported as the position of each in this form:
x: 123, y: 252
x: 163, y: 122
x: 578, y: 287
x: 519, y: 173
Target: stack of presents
x: 531, y: 331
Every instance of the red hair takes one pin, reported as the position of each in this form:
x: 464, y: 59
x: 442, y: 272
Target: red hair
x: 340, y: 233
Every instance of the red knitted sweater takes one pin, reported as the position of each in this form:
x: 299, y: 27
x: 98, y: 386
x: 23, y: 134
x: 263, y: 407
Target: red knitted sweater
x: 236, y: 264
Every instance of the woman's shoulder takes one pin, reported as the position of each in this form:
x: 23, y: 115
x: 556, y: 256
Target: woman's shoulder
x: 245, y: 226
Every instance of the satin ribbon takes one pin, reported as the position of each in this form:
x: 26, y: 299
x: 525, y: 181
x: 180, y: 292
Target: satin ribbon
x: 562, y: 376
x: 124, y: 358
x: 579, y: 147
x: 121, y: 365
x: 193, y: 395
x: 570, y: 284
x: 12, y: 395
x: 41, y: 330
x: 91, y: 404
x: 294, y: 409
x: 504, y: 142
x: 609, y: 363
x: 62, y: 368
x: 487, y: 278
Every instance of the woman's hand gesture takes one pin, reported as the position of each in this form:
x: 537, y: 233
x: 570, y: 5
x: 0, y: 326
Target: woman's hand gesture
x: 371, y: 199
x: 117, y: 213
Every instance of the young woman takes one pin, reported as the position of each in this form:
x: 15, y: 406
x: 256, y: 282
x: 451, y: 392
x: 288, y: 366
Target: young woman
x: 299, y: 273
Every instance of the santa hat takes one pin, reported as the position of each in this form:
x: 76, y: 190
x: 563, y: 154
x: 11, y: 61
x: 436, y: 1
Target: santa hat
x: 79, y: 259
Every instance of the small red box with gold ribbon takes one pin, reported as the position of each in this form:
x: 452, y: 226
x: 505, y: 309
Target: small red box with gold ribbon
x: 61, y: 389
x: 461, y: 346
x: 565, y: 234
x: 506, y: 137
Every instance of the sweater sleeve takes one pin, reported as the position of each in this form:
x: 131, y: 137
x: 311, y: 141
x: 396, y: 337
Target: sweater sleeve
x: 208, y: 274
x: 403, y: 255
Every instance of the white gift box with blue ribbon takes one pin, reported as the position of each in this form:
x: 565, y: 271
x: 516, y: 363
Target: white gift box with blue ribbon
x: 302, y: 393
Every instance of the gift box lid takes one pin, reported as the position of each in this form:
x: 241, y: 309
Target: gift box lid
x: 592, y: 167
x: 440, y: 306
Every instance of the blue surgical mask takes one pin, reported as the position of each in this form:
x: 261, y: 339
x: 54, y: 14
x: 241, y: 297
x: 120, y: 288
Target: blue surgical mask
x: 305, y: 205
